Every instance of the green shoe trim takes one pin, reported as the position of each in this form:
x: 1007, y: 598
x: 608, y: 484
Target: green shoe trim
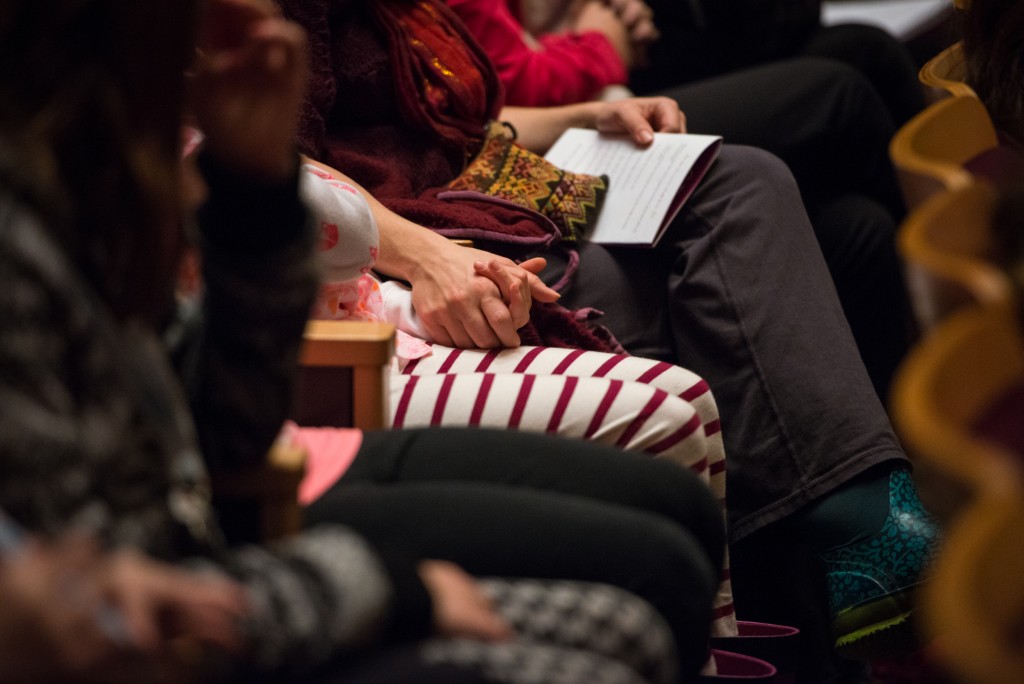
x: 866, y: 616
x: 893, y: 638
x: 861, y: 634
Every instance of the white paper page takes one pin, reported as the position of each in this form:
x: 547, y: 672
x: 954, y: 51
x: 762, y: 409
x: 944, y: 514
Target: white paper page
x: 902, y: 18
x: 642, y: 180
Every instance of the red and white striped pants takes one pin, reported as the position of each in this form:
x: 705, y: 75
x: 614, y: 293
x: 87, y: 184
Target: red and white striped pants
x: 634, y: 403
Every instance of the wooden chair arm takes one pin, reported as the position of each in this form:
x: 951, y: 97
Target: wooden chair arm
x: 347, y: 343
x: 339, y: 360
x: 338, y: 353
x: 260, y: 503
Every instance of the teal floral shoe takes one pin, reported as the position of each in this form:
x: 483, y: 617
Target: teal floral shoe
x: 872, y: 583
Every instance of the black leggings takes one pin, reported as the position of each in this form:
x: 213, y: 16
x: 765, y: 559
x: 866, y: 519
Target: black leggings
x: 516, y: 504
x: 686, y: 54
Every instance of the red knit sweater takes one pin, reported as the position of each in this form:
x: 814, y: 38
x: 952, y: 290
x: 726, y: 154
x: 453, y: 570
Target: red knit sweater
x: 566, y: 68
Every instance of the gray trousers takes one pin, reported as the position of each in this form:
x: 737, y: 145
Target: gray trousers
x: 737, y: 291
x: 829, y: 125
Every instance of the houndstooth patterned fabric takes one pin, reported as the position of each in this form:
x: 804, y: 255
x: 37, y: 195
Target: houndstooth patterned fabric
x: 590, y: 633
x: 524, y: 662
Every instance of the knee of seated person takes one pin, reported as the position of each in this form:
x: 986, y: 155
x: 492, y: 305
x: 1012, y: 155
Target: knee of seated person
x: 684, y: 383
x: 757, y: 170
x: 868, y: 40
x: 684, y: 580
x: 828, y: 72
x: 674, y: 431
x: 687, y: 505
x: 869, y: 237
x: 845, y: 87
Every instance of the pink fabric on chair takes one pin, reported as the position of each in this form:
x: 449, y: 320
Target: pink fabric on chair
x: 329, y: 453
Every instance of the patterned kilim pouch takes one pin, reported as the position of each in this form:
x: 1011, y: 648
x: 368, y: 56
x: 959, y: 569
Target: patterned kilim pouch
x: 510, y: 172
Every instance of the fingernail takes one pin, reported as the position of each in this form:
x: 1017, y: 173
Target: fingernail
x: 646, y: 137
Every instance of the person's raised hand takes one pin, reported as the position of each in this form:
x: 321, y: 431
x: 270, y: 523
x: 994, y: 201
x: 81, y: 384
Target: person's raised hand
x: 159, y: 603
x: 48, y: 625
x: 73, y: 613
x: 248, y: 84
x: 460, y: 608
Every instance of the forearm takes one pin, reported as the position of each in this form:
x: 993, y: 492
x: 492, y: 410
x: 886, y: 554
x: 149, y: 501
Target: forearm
x: 324, y: 594
x: 539, y: 127
x: 403, y: 244
x: 460, y: 301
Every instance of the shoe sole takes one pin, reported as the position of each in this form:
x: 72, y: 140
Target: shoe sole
x: 879, y: 629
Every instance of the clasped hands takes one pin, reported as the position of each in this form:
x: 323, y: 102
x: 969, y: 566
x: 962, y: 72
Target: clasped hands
x: 468, y: 298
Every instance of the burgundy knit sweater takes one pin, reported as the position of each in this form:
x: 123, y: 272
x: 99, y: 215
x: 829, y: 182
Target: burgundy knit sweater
x: 352, y: 121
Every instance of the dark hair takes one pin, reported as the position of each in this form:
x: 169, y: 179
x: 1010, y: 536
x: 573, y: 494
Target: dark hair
x: 91, y: 103
x: 993, y: 37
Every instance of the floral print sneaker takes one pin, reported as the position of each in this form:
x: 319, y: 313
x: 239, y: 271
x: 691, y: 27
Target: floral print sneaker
x: 872, y: 583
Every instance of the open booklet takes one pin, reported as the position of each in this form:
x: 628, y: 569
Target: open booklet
x: 647, y: 185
